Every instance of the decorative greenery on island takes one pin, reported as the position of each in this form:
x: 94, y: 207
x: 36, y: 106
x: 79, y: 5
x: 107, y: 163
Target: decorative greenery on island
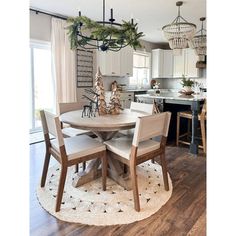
x: 186, y: 82
x: 127, y: 33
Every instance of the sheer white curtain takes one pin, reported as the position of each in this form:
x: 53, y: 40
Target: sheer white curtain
x: 64, y: 63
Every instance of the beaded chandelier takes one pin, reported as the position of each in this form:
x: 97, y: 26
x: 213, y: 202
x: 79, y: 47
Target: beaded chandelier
x: 179, y: 32
x: 198, y: 42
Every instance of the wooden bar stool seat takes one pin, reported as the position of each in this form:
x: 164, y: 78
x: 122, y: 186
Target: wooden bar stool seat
x: 188, y: 115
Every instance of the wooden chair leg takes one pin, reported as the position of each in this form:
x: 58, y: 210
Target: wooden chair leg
x: 203, y: 133
x: 164, y: 171
x: 177, y: 130
x: 135, y: 188
x: 76, y: 168
x: 61, y: 187
x: 104, y: 171
x: 45, y: 169
x: 84, y: 165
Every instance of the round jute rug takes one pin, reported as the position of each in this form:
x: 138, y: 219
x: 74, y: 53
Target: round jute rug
x: 90, y: 205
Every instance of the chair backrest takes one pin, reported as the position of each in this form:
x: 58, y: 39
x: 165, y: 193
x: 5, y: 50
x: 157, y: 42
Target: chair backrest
x: 52, y: 125
x: 70, y: 106
x: 148, y: 127
x: 143, y: 107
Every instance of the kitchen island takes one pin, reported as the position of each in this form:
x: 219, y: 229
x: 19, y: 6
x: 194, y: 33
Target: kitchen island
x: 176, y: 98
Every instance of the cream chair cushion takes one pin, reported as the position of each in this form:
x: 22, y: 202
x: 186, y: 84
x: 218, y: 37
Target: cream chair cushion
x: 79, y: 146
x: 122, y: 146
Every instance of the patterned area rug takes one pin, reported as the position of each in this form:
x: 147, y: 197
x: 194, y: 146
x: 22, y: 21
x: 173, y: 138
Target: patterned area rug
x: 90, y: 205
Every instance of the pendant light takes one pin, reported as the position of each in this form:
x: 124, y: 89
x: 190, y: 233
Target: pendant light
x: 179, y: 32
x: 198, y: 42
x: 103, y: 35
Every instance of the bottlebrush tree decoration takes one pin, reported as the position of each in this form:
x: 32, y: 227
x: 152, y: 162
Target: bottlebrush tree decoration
x: 102, y: 107
x: 114, y: 105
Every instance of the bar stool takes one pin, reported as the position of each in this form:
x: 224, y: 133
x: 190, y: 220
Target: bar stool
x: 188, y: 115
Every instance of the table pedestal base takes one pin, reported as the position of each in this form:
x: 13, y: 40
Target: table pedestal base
x: 115, y: 171
x: 115, y: 168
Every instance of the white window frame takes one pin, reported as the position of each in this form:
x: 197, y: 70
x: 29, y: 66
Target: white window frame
x: 146, y: 54
x: 39, y: 44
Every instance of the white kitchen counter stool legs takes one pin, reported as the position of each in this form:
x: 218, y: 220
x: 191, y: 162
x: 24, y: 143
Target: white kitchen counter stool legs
x: 69, y: 152
x: 140, y: 148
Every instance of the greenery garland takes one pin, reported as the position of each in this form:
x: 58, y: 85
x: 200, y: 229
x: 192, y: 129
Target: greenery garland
x: 127, y: 33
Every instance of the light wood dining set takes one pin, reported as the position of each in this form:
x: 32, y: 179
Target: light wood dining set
x: 106, y: 145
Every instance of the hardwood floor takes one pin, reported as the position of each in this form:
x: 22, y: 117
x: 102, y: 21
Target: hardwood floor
x: 183, y: 214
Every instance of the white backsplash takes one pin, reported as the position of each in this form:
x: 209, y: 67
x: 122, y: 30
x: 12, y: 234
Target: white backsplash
x: 174, y: 83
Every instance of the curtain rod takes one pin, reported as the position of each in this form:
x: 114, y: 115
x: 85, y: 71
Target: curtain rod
x: 49, y: 14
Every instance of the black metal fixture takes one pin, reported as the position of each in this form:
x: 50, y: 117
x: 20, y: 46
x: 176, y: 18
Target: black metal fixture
x: 102, y: 35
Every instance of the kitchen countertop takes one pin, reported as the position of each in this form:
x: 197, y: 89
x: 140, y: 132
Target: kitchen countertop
x: 135, y: 90
x: 174, y: 96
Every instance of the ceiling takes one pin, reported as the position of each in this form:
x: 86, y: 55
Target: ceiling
x: 151, y: 15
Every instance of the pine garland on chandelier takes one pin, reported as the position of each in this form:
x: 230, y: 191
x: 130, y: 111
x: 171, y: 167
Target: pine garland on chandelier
x: 113, y: 38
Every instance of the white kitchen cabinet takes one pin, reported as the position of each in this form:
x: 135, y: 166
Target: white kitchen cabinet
x: 179, y: 65
x: 167, y: 71
x: 109, y: 63
x: 162, y: 63
x: 185, y: 64
x: 190, y: 63
x: 157, y: 63
x: 116, y: 63
x: 126, y: 61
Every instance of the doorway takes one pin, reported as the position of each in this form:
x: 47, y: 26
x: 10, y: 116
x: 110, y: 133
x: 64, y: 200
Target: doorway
x: 42, y: 86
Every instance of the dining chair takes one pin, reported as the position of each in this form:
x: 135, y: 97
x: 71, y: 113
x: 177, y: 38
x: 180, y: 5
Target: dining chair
x: 202, y: 117
x: 139, y: 107
x: 68, y: 152
x: 143, y: 107
x: 67, y: 130
x: 140, y: 148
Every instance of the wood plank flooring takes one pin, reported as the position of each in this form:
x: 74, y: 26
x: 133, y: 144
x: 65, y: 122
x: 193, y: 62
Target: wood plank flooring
x: 183, y: 214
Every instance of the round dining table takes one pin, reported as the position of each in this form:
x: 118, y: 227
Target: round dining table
x: 105, y: 127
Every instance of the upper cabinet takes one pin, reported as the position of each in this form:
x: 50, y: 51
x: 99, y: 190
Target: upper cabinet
x: 190, y: 63
x: 162, y: 63
x: 116, y: 63
x: 109, y: 63
x: 167, y: 70
x: 167, y: 65
x: 157, y: 63
x: 179, y: 65
x: 185, y: 64
x: 126, y: 61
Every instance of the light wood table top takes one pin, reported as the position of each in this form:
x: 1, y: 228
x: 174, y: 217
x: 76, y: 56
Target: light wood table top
x: 125, y: 120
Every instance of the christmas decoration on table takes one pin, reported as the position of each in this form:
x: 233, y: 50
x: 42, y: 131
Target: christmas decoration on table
x: 88, y: 109
x: 99, y: 89
x: 114, y: 105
